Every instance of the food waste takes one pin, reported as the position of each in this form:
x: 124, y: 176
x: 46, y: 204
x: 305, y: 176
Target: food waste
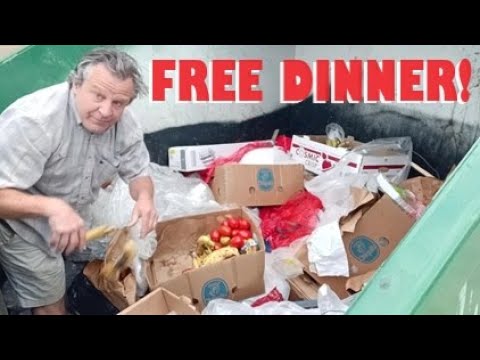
x: 232, y: 238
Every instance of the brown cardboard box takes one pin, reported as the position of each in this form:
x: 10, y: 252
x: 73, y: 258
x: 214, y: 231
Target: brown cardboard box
x: 257, y: 185
x: 171, y: 266
x: 376, y: 235
x: 160, y: 302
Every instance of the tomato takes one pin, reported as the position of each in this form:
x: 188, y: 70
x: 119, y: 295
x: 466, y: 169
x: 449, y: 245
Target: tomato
x: 215, y: 235
x: 225, y: 231
x: 245, y: 234
x: 235, y: 232
x: 237, y: 242
x: 243, y: 224
x: 225, y: 223
x: 233, y: 223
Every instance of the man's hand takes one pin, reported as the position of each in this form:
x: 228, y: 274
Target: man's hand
x: 144, y: 209
x: 68, y: 228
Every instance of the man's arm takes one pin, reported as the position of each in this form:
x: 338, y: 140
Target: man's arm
x: 26, y: 147
x: 142, y: 191
x: 15, y: 204
x: 68, y: 232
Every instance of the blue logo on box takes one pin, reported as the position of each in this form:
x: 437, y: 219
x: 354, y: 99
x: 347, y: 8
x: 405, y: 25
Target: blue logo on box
x: 364, y: 249
x: 214, y: 289
x: 265, y: 179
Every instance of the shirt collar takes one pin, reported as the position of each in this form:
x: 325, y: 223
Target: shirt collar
x: 73, y: 107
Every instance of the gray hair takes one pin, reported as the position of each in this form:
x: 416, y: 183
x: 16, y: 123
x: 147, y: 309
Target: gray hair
x: 120, y: 64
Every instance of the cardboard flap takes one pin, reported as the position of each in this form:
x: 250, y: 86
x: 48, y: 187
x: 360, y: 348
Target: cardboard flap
x: 356, y: 283
x: 336, y: 283
x: 362, y: 199
x: 160, y: 302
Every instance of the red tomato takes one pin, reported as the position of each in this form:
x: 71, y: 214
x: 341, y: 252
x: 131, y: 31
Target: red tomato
x: 237, y: 242
x: 245, y: 234
x: 243, y: 224
x: 233, y: 223
x: 215, y: 236
x: 235, y: 232
x: 225, y: 231
x: 225, y: 223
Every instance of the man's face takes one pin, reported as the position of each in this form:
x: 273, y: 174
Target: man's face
x: 101, y: 99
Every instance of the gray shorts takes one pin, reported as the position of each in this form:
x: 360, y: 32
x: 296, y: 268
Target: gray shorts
x: 38, y: 278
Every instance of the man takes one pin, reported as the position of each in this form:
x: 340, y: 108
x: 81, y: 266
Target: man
x: 59, y: 145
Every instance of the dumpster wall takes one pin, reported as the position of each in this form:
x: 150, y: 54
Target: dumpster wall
x: 441, y: 133
x: 434, y: 270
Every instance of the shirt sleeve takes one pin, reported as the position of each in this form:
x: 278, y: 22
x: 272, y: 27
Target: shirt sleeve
x: 134, y: 155
x: 25, y: 148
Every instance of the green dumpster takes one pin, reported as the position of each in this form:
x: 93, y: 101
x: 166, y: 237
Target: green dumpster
x: 434, y: 270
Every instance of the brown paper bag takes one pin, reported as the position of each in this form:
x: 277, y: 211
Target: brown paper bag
x: 118, y: 287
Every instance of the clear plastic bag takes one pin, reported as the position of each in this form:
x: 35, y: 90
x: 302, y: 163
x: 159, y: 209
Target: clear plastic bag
x: 333, y: 187
x: 335, y: 134
x: 328, y: 303
x: 175, y: 196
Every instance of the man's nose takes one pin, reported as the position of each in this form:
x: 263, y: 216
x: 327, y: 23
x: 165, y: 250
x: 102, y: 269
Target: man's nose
x: 106, y: 109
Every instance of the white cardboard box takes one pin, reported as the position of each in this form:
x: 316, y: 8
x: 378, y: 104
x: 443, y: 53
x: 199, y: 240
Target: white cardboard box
x: 317, y: 157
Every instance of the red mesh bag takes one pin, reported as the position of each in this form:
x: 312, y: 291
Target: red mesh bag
x: 281, y: 225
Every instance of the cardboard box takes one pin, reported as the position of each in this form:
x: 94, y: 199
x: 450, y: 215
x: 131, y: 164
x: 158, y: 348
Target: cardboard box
x: 303, y: 287
x: 375, y: 236
x: 257, y: 185
x: 171, y: 266
x: 160, y: 302
x: 318, y: 157
x: 200, y: 157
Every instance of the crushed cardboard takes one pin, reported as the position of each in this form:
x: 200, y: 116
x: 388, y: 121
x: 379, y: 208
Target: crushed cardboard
x: 370, y: 238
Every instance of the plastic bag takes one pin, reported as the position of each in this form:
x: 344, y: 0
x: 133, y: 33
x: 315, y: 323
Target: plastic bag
x: 378, y: 147
x: 175, y: 196
x: 335, y: 134
x: 333, y: 186
x: 281, y: 225
x: 328, y: 303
